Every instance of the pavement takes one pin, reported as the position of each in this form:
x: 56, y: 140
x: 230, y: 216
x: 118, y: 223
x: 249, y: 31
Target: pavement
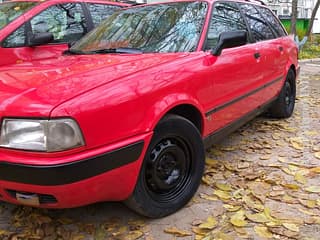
x: 268, y: 166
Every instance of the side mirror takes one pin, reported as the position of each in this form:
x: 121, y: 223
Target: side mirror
x: 39, y: 39
x: 229, y: 40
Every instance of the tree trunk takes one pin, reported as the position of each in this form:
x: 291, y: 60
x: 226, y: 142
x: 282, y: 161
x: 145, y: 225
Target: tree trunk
x: 294, y: 13
x: 313, y: 15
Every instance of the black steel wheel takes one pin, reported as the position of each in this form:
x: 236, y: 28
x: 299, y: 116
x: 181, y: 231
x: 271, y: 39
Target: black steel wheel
x: 172, y: 169
x: 284, y: 105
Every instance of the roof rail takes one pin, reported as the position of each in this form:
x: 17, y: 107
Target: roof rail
x: 256, y: 1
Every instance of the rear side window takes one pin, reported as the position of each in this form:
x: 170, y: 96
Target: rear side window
x: 272, y: 20
x: 101, y: 11
x: 258, y: 25
x: 225, y: 17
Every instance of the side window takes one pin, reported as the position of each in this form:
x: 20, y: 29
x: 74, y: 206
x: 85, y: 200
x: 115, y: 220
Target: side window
x: 272, y: 20
x: 258, y: 26
x: 225, y: 17
x: 100, y: 12
x: 65, y: 21
x: 16, y: 38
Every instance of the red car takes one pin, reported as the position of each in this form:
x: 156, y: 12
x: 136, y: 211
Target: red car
x: 126, y: 113
x: 36, y: 29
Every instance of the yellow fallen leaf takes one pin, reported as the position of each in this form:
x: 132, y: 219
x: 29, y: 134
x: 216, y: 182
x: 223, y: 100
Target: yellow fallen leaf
x: 208, y: 197
x: 222, y: 194
x: 317, y: 155
x: 262, y: 232
x: 223, y: 187
x: 238, y: 219
x: 133, y: 235
x: 258, y: 217
x: 231, y: 208
x: 291, y: 186
x: 291, y: 226
x: 210, y: 224
x: 199, y: 231
x: 265, y: 157
x: 315, y: 170
x: 299, y: 177
x: 220, y: 236
x: 313, y: 189
x: 308, y: 203
x: 254, y: 205
x: 211, y: 162
x: 297, y: 143
x: 177, y: 232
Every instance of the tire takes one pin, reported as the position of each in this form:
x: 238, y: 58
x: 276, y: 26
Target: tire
x: 284, y: 105
x: 172, y: 169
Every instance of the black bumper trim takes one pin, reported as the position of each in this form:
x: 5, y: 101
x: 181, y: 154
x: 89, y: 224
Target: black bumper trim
x: 51, y: 175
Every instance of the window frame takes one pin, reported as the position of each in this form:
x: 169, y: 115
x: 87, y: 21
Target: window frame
x: 253, y: 40
x: 210, y: 20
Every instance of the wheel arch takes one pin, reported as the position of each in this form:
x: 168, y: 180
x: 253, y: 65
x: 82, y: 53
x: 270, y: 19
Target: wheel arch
x: 181, y: 105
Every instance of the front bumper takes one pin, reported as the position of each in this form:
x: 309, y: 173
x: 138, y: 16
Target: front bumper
x: 110, y: 175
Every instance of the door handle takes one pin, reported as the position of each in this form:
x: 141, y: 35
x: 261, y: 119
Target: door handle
x: 257, y: 55
x: 281, y: 49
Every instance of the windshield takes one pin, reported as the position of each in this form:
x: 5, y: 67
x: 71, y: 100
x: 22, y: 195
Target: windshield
x: 9, y: 11
x: 172, y: 27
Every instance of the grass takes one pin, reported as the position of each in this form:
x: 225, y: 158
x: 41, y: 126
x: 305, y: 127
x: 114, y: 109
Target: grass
x: 311, y: 49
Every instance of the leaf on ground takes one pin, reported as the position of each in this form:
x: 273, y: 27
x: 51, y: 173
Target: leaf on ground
x: 231, y: 208
x: 177, y: 232
x: 208, y: 197
x: 317, y: 155
x: 253, y: 205
x: 299, y: 177
x: 262, y: 231
x: 291, y: 226
x: 210, y: 224
x: 258, y: 217
x: 308, y: 203
x: 224, y: 195
x: 313, y: 189
x: 291, y: 186
x: 238, y: 219
x: 223, y: 187
x: 212, y: 162
x: 297, y: 143
x: 133, y: 235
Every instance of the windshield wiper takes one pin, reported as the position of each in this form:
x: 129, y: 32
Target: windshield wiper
x: 118, y: 50
x: 73, y: 51
x: 105, y: 50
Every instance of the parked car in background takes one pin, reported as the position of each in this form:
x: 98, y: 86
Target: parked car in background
x: 124, y: 115
x: 35, y: 29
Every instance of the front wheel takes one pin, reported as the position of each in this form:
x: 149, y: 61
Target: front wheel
x: 284, y: 105
x: 172, y: 169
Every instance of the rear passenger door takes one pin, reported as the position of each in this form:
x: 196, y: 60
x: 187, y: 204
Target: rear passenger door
x: 236, y: 73
x: 270, y: 50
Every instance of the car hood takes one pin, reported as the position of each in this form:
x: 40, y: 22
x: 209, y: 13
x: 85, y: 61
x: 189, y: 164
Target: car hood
x: 35, y: 88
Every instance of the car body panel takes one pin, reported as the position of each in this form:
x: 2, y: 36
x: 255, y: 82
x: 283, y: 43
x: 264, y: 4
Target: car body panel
x: 118, y: 100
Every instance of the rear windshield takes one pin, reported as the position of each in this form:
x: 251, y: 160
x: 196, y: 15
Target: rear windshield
x: 9, y: 11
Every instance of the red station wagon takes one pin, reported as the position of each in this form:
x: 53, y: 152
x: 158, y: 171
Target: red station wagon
x: 127, y: 112
x: 27, y: 26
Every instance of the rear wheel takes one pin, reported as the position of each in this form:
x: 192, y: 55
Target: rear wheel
x: 172, y: 169
x: 284, y: 105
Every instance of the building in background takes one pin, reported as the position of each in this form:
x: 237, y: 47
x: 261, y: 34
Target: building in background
x: 282, y: 8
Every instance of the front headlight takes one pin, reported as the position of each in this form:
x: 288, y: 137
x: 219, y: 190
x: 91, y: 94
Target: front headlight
x: 40, y: 135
